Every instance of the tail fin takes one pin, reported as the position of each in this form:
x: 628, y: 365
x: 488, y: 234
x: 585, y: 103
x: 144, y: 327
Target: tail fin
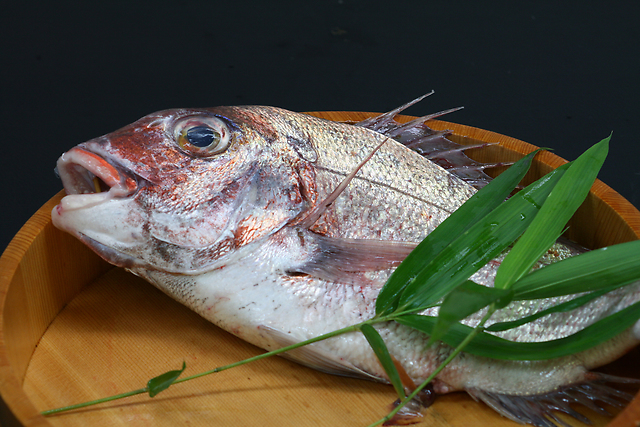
x: 539, y: 409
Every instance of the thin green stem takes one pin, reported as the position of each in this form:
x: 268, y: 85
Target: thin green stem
x: 398, y: 313
x: 351, y: 328
x: 94, y: 402
x: 439, y: 369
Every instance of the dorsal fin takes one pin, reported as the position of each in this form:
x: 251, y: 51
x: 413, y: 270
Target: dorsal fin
x: 434, y: 145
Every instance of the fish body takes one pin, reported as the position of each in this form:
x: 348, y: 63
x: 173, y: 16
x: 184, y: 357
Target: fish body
x: 216, y: 208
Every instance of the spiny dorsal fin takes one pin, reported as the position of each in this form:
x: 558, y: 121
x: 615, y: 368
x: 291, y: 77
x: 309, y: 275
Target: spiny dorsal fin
x: 434, y: 145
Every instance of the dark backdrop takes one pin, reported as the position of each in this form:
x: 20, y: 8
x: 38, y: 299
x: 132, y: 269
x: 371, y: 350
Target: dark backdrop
x: 555, y: 74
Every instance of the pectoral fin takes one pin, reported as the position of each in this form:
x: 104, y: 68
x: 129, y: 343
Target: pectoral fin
x: 344, y: 260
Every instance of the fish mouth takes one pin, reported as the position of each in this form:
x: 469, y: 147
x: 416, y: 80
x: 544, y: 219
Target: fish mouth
x: 89, y: 179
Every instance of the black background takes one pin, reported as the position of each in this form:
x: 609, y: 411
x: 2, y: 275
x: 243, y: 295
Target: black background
x: 555, y: 74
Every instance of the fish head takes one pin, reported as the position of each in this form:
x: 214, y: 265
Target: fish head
x: 179, y: 190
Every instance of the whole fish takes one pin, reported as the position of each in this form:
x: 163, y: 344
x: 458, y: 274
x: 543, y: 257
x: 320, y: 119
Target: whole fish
x: 231, y: 211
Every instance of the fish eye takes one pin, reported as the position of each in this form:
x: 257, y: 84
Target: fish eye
x: 202, y: 136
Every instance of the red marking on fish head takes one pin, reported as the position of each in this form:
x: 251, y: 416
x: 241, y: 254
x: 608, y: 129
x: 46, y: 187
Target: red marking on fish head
x: 197, y: 184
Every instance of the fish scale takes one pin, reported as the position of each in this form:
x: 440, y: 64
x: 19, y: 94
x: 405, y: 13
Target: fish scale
x: 220, y: 229
x: 396, y: 188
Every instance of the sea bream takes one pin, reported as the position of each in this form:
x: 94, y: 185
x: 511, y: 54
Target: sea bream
x: 226, y: 210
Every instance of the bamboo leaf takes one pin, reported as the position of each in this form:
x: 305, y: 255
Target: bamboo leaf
x: 549, y: 223
x: 481, y: 243
x: 478, y: 206
x: 382, y: 353
x: 162, y: 382
x: 491, y: 346
x: 463, y: 301
x: 560, y: 308
x: 601, y: 268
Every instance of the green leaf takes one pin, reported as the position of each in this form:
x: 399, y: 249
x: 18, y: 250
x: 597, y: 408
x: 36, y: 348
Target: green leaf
x: 488, y: 345
x: 478, y: 206
x: 162, y: 382
x: 382, y: 353
x: 549, y: 223
x: 463, y: 301
x: 560, y: 308
x: 481, y: 243
x: 601, y: 268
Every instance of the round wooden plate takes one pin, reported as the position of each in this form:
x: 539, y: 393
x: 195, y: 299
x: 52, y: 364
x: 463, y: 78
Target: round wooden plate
x: 73, y: 328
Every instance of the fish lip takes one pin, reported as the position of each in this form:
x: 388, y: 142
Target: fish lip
x: 79, y: 167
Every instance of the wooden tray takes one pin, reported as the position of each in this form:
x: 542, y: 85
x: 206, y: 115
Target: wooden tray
x: 73, y: 328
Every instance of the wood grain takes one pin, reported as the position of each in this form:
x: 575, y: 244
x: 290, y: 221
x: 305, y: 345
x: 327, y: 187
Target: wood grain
x: 73, y: 328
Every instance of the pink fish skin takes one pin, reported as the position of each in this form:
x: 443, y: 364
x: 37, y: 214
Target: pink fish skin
x: 209, y: 205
